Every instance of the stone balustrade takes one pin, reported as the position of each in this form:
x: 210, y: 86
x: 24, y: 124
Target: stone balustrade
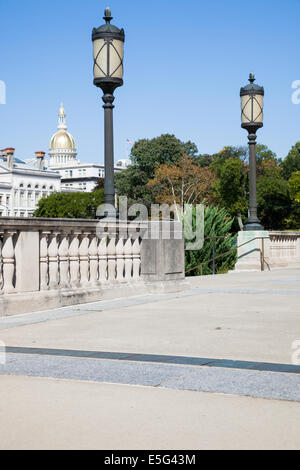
x: 80, y: 259
x: 46, y: 263
x: 284, y: 249
x: 269, y: 250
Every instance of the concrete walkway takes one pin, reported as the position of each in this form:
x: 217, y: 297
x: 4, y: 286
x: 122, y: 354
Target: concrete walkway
x: 227, y: 342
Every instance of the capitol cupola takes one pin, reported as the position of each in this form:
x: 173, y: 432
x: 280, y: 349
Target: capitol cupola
x: 62, y: 145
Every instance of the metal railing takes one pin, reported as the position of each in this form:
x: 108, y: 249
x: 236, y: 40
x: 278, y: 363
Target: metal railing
x: 214, y: 258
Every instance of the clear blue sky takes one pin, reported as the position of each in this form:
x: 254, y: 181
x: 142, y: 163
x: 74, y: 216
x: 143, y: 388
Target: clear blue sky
x: 185, y: 62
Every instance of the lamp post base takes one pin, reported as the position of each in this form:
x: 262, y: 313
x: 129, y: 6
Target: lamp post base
x: 253, y: 224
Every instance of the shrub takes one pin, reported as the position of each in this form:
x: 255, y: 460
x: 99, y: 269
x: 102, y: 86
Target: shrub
x: 70, y: 206
x: 218, y: 223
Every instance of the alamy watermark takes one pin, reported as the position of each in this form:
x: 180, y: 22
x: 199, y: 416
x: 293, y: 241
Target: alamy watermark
x: 2, y: 92
x: 296, y: 353
x: 2, y: 353
x: 162, y: 220
x: 296, y: 93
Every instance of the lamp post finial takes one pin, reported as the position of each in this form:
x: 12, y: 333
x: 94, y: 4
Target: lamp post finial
x: 107, y: 15
x: 251, y: 77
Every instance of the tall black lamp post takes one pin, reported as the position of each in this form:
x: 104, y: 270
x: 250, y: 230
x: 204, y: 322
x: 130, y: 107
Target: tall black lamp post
x: 252, y: 100
x: 108, y: 41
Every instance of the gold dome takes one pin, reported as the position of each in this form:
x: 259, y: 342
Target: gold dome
x: 62, y: 140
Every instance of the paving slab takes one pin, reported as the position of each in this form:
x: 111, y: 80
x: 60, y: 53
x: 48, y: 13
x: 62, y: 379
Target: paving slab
x: 56, y: 414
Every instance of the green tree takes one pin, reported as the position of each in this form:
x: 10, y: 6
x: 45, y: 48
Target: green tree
x: 146, y: 156
x: 228, y: 153
x: 294, y: 186
x: 274, y: 203
x: 292, y: 162
x: 231, y: 188
x: 267, y: 161
x: 70, y: 206
x: 218, y: 223
x: 132, y: 183
x: 204, y: 160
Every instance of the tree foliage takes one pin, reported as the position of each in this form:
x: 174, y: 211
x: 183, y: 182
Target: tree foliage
x: 100, y: 185
x: 294, y: 186
x: 146, y: 156
x: 184, y: 182
x: 231, y: 188
x: 70, y: 206
x: 274, y: 203
x: 292, y: 162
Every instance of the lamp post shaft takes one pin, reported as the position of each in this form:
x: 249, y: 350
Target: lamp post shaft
x: 252, y: 176
x: 253, y: 222
x: 109, y: 184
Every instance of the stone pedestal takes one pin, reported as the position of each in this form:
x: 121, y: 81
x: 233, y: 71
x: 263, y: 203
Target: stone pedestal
x: 162, y: 254
x: 254, y: 247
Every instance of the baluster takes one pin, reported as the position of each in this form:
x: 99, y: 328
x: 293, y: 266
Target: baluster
x: 74, y: 259
x: 84, y: 260
x: 44, y: 261
x: 111, y: 252
x: 128, y: 259
x: 120, y: 259
x: 136, y: 250
x: 63, y: 253
x: 53, y: 260
x: 102, y: 251
x: 93, y: 255
x: 8, y: 254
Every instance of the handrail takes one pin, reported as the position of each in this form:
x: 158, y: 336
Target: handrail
x: 263, y: 260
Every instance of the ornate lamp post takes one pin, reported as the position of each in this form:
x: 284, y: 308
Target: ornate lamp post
x: 252, y: 98
x: 108, y: 41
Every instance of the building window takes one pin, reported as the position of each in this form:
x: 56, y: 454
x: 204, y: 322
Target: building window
x: 22, y: 197
x: 30, y: 199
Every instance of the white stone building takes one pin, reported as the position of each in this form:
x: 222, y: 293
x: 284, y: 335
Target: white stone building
x: 63, y: 158
x: 24, y: 183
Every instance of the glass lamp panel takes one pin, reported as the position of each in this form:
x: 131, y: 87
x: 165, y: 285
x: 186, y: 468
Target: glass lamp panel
x: 100, y: 58
x: 246, y: 104
x: 258, y: 101
x: 116, y: 59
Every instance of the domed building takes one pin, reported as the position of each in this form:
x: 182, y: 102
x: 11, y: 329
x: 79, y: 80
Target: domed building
x: 75, y: 175
x: 62, y: 145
